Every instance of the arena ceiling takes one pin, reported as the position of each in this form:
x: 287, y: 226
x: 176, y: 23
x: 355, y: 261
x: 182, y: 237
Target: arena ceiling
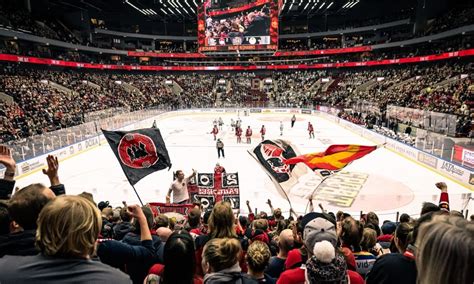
x: 186, y: 9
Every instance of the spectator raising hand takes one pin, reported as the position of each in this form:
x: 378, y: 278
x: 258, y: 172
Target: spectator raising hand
x: 9, y: 163
x: 52, y: 170
x: 137, y: 212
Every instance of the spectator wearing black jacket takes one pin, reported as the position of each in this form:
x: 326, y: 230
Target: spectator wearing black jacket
x: 67, y: 233
x: 135, y: 260
x: 123, y: 228
x: 25, y: 206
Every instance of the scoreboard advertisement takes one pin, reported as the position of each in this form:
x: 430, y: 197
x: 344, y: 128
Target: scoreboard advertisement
x: 238, y: 26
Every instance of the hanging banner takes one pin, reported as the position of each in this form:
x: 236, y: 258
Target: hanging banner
x: 210, y: 188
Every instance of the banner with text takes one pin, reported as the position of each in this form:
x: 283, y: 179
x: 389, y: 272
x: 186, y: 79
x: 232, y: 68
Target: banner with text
x: 210, y: 188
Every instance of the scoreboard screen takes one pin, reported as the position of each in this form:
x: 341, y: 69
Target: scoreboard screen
x: 236, y: 25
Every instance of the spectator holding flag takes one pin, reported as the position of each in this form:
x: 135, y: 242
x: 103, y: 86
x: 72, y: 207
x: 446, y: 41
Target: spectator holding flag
x: 179, y: 188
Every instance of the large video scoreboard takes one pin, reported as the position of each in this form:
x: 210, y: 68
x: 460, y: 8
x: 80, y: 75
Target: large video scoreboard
x: 236, y: 25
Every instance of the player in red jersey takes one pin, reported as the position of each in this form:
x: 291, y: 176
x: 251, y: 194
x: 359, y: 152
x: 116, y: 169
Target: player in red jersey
x: 214, y: 131
x: 310, y: 130
x: 248, y: 135
x: 263, y: 130
x: 238, y: 133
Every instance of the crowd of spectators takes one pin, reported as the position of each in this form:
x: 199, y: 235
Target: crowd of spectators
x: 233, y: 29
x: 48, y: 236
x: 439, y: 88
x: 454, y: 18
x: 19, y: 19
x: 39, y: 106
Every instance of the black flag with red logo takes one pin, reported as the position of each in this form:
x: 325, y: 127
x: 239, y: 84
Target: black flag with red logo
x: 140, y: 152
x: 272, y: 155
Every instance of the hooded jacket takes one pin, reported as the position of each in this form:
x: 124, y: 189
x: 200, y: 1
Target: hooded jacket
x: 230, y: 275
x: 21, y: 243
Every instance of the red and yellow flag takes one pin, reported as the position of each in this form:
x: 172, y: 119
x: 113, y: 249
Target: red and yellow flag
x: 334, y: 158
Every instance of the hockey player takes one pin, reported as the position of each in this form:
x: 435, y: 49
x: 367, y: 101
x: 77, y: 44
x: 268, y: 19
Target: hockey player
x: 221, y: 123
x: 281, y: 128
x: 238, y: 134
x: 238, y: 122
x: 214, y: 132
x: 154, y: 124
x: 310, y: 130
x: 263, y: 131
x: 248, y: 135
x: 293, y: 120
x: 232, y: 124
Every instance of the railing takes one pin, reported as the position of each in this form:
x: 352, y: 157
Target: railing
x: 433, y: 121
x: 37, y: 145
x: 27, y: 148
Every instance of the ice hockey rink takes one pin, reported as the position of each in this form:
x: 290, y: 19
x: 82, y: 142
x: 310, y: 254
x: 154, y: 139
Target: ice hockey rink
x: 383, y: 181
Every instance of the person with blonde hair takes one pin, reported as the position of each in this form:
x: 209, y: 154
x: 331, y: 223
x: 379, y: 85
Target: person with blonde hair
x: 364, y: 258
x: 221, y: 224
x: 220, y: 262
x: 258, y: 257
x: 68, y: 228
x: 445, y: 251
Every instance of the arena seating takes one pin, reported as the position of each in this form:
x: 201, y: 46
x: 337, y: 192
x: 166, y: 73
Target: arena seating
x: 48, y: 236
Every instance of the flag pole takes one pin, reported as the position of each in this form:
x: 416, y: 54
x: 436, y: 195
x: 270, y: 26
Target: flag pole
x: 139, y: 199
x: 316, y: 188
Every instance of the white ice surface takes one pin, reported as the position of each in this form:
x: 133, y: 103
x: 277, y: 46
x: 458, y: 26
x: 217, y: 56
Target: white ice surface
x: 394, y: 183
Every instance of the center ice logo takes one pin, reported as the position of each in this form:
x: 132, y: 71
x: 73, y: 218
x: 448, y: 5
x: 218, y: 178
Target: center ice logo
x: 137, y: 151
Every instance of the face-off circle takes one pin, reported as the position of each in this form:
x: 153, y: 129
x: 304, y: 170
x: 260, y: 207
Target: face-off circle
x: 137, y: 151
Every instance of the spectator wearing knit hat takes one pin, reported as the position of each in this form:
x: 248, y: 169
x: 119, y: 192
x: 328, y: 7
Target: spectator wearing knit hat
x: 385, y: 239
x: 319, y: 227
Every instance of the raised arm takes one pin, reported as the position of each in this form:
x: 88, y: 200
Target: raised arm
x: 8, y: 182
x: 311, y: 206
x: 248, y: 206
x: 52, y: 172
x: 137, y: 212
x: 192, y: 175
x: 444, y: 197
x: 269, y: 202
